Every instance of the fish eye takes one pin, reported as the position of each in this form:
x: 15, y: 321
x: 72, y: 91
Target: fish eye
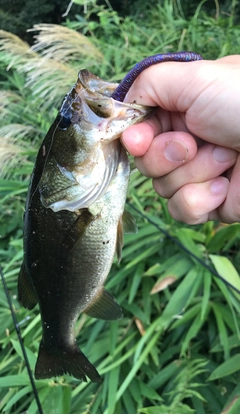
x: 64, y: 123
x: 100, y: 111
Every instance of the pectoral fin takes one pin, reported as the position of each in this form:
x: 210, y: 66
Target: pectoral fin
x: 126, y: 225
x: 26, y: 294
x: 78, y: 229
x: 129, y: 223
x: 104, y: 307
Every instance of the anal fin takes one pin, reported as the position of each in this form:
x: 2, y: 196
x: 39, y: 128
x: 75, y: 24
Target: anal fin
x: 26, y: 294
x: 104, y: 306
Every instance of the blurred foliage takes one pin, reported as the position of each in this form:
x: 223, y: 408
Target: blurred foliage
x: 177, y: 348
x: 17, y: 16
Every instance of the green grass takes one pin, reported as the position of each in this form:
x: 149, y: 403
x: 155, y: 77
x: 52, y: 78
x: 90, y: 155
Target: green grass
x: 177, y: 348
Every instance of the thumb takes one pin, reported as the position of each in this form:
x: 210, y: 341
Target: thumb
x: 165, y: 83
x: 205, y: 91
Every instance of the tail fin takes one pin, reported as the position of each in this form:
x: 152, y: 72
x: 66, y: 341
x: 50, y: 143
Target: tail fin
x: 54, y: 362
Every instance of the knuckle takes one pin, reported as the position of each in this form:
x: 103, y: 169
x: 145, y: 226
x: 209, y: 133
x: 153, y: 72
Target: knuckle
x: 161, y: 187
x: 184, y: 206
x: 230, y: 211
x: 142, y: 167
x: 189, y: 199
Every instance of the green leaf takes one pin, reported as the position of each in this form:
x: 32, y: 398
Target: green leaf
x: 66, y: 399
x: 31, y: 325
x: 137, y: 277
x: 17, y: 396
x: 169, y: 371
x: 233, y: 342
x: 149, y: 392
x: 83, y: 2
x: 227, y: 271
x: 222, y: 330
x: 226, y: 368
x: 154, y: 410
x: 192, y: 332
x: 187, y: 316
x: 180, y: 297
x: 222, y: 237
x: 207, y: 278
x: 14, y: 380
x: 176, y: 270
x: 233, y: 402
x: 43, y: 397
x: 180, y: 409
x: 184, y: 235
x: 137, y: 364
x: 233, y: 407
x: 112, y: 389
x: 31, y: 356
x: 144, y: 255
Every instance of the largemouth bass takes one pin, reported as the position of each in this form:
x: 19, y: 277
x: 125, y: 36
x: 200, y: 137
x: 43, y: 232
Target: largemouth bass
x: 74, y: 221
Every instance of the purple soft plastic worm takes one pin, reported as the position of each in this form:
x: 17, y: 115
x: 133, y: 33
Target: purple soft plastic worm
x: 124, y: 86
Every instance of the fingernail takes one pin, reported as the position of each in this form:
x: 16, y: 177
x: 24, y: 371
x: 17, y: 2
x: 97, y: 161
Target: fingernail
x: 219, y: 186
x: 222, y: 154
x: 176, y: 151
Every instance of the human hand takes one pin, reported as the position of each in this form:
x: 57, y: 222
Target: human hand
x: 193, y: 138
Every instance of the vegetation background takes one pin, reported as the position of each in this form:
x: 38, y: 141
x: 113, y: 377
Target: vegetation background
x: 177, y: 349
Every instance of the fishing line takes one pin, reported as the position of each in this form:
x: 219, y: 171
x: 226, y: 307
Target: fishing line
x: 16, y: 324
x: 185, y: 249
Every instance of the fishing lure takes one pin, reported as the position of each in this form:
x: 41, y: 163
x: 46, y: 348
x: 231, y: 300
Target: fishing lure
x: 124, y: 86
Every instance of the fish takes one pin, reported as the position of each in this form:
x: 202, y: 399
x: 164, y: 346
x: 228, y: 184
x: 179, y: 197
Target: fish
x: 74, y: 221
x: 74, y: 218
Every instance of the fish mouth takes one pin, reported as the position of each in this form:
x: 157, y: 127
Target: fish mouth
x: 113, y: 115
x: 89, y: 104
x: 122, y: 115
